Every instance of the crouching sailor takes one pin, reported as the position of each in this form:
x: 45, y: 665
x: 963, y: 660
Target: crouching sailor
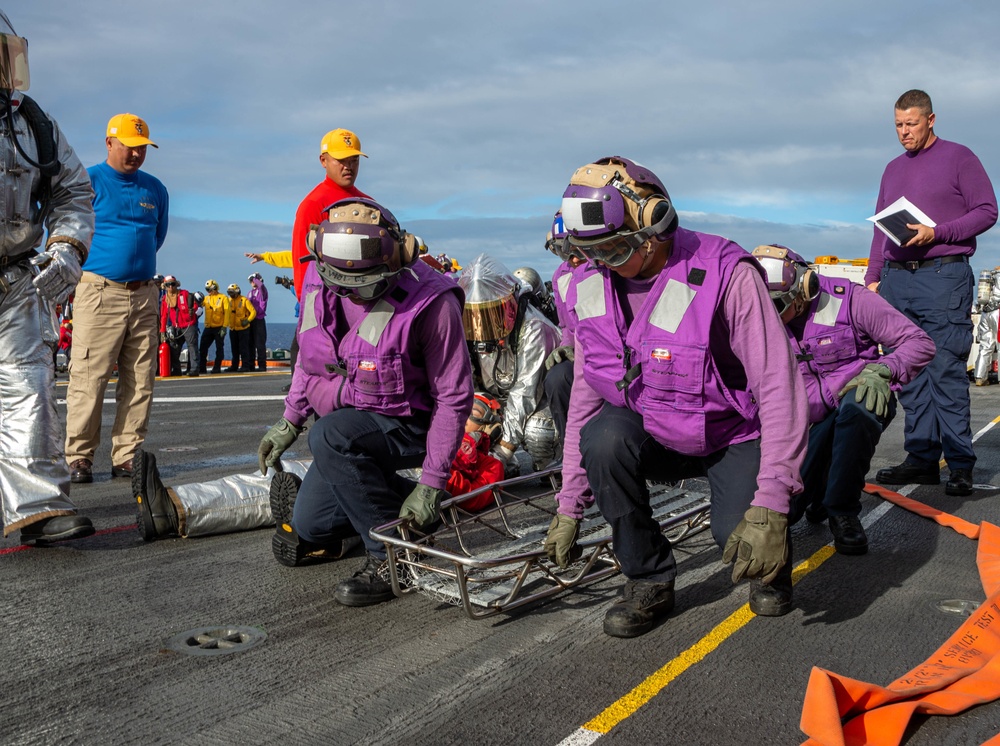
x: 383, y: 365
x: 835, y: 328
x: 681, y: 369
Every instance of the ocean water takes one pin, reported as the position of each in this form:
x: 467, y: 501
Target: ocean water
x: 279, y: 336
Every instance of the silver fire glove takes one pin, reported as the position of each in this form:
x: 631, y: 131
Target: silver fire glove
x: 61, y: 270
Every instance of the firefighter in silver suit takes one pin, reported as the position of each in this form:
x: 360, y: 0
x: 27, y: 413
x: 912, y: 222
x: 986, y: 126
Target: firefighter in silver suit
x: 43, y: 188
x: 509, y: 339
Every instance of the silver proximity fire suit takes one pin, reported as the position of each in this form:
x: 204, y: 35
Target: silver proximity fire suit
x: 34, y: 478
x: 986, y: 331
x: 516, y: 380
x: 239, y: 502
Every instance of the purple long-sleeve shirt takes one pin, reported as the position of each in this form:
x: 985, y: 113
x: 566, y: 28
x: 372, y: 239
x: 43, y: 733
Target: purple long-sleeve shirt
x: 949, y: 184
x: 438, y: 333
x: 258, y: 297
x: 759, y: 342
x: 872, y: 316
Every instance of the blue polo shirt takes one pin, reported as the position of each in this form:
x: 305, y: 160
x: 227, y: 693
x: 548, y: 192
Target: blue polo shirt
x: 130, y: 225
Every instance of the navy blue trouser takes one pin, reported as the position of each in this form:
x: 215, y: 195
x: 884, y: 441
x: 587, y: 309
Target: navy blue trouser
x: 619, y: 456
x: 558, y: 383
x: 938, y: 299
x: 352, y: 486
x: 239, y: 345
x: 838, y: 458
x: 258, y: 343
x: 211, y: 335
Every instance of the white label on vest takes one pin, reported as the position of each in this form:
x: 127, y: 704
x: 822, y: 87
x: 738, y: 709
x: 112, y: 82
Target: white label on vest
x: 672, y: 305
x: 376, y: 321
x: 828, y: 310
x: 309, y: 311
x: 590, y: 298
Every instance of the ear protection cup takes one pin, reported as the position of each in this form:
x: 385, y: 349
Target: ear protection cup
x: 409, y: 249
x: 657, y: 212
x: 809, y: 285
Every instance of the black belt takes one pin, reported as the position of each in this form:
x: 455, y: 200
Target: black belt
x: 10, y: 261
x: 913, y: 266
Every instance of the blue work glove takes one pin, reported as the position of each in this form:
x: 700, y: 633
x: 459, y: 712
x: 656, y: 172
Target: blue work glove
x: 758, y: 546
x: 872, y: 385
x: 422, y: 506
x: 275, y: 442
x: 558, y: 355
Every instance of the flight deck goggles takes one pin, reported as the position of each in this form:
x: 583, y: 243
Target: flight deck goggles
x: 613, y: 251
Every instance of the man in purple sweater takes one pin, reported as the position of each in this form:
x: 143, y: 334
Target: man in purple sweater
x: 383, y: 365
x: 835, y: 328
x: 929, y: 279
x: 681, y: 369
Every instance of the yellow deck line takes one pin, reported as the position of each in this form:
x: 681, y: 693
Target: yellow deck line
x: 627, y: 705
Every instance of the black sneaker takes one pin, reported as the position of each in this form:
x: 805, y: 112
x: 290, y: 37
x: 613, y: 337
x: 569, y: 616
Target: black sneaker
x: 156, y: 515
x: 288, y: 548
x: 642, y: 603
x: 959, y: 483
x: 367, y: 586
x: 58, y: 528
x: 848, y: 534
x: 774, y: 598
x: 909, y: 473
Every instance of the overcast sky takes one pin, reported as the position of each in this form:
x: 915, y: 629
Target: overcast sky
x: 767, y: 121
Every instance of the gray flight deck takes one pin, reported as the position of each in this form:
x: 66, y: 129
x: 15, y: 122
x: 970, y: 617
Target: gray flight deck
x: 88, y: 626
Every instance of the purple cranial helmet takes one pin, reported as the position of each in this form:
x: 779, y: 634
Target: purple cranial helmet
x: 557, y: 240
x: 360, y: 248
x: 787, y: 275
x: 613, y: 196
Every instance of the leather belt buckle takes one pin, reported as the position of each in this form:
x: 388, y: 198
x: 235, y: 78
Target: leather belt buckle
x: 912, y: 266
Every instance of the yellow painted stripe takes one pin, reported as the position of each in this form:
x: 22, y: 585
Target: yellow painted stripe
x: 631, y: 702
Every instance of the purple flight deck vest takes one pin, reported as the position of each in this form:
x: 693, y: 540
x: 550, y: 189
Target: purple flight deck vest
x: 831, y: 352
x: 371, y: 367
x: 663, y: 366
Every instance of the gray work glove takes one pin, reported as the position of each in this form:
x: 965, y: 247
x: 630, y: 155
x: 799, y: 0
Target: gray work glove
x: 422, y: 506
x: 758, y: 546
x: 558, y: 355
x: 275, y: 442
x: 560, y: 543
x: 224, y: 330
x: 872, y: 385
x: 60, y: 273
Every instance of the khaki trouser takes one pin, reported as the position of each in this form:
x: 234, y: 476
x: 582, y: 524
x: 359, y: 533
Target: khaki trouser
x: 112, y: 323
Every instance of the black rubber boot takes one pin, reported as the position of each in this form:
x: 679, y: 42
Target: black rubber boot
x: 367, y: 586
x: 288, y: 548
x: 641, y: 604
x: 58, y: 528
x: 909, y: 473
x: 774, y: 598
x: 848, y: 534
x: 156, y: 515
x: 959, y: 483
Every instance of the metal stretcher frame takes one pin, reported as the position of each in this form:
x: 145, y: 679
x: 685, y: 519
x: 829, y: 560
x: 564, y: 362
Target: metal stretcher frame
x: 492, y: 561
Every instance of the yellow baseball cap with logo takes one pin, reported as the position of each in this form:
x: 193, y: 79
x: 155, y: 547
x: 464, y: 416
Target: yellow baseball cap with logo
x: 130, y: 130
x: 340, y: 144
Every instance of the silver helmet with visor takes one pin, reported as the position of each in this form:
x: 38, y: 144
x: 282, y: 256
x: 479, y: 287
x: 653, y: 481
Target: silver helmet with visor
x: 612, y: 207
x: 490, y: 309
x: 14, y: 74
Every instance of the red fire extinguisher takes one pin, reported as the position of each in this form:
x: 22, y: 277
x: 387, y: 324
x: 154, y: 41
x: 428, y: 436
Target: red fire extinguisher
x: 164, y: 360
